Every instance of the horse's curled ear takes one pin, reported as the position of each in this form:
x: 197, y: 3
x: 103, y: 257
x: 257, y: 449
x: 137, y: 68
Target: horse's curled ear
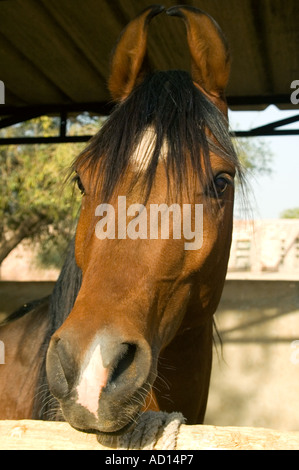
x: 129, y: 54
x: 208, y: 47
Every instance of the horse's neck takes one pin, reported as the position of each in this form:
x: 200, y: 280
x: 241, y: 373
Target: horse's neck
x: 186, y: 360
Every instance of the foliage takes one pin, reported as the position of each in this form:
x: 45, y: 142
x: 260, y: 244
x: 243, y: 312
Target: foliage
x: 290, y: 213
x: 255, y: 155
x: 36, y: 203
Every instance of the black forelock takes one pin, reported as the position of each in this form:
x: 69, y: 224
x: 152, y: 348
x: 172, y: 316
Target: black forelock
x: 179, y: 113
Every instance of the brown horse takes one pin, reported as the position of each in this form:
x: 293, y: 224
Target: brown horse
x: 131, y: 321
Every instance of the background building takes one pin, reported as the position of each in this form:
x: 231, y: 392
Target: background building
x: 265, y: 246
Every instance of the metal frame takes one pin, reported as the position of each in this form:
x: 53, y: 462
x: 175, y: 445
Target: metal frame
x: 16, y: 115
x: 271, y: 129
x: 13, y: 115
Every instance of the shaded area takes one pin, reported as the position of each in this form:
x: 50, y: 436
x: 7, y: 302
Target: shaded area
x: 17, y: 294
x: 256, y: 380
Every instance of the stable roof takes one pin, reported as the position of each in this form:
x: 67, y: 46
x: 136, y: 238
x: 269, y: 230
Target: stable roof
x: 54, y: 55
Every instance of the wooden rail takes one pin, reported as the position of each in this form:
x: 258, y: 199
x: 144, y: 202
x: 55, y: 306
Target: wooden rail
x: 44, y: 435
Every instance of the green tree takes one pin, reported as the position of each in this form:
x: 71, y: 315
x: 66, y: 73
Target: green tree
x: 255, y: 155
x: 35, y: 202
x: 290, y: 213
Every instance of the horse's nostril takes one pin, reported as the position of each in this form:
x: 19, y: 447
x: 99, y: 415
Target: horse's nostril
x: 56, y: 376
x: 123, y: 364
x: 59, y: 367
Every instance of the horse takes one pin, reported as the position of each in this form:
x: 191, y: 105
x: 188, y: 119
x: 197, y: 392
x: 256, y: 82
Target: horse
x: 129, y: 325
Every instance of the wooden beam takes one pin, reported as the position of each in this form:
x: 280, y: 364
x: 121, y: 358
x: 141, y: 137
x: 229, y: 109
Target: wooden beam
x: 45, y: 435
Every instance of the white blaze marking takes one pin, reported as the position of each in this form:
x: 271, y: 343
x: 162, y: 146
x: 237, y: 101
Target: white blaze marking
x: 93, y: 379
x: 143, y: 153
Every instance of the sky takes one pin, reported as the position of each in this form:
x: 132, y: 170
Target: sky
x: 272, y: 194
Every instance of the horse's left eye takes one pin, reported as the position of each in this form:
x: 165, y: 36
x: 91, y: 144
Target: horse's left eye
x: 221, y: 182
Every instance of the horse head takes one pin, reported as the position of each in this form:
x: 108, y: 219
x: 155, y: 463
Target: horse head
x: 164, y: 156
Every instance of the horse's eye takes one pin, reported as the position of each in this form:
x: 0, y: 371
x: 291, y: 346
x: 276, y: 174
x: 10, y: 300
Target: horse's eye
x: 78, y: 181
x: 221, y: 182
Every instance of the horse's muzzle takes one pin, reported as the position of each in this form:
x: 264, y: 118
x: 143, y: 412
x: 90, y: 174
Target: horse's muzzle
x: 104, y: 386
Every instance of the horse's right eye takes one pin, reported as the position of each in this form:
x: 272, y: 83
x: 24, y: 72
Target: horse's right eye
x: 78, y: 181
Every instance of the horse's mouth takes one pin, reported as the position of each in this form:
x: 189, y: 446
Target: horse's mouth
x: 109, y: 423
x: 109, y: 438
x: 119, y: 432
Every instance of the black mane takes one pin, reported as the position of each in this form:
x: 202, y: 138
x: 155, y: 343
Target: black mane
x: 179, y: 113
